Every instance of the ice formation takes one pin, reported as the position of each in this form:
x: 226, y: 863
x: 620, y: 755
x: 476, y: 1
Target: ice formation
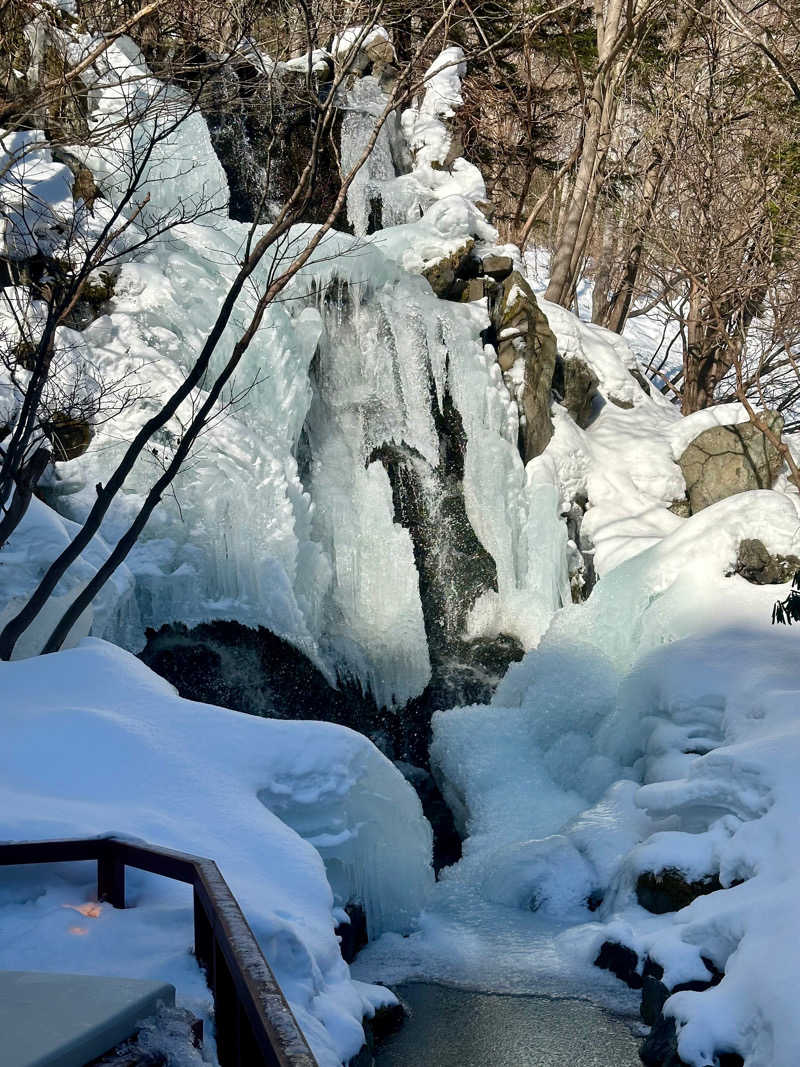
x: 338, y: 368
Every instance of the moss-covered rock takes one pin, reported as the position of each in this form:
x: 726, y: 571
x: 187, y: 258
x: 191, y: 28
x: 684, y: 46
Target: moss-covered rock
x: 523, y: 332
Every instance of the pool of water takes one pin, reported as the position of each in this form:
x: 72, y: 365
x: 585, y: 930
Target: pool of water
x: 450, y: 1027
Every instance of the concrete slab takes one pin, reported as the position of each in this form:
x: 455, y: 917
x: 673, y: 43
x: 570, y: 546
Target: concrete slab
x: 66, y: 1020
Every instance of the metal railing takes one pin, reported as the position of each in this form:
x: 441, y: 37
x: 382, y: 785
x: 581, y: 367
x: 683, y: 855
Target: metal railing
x: 254, y: 1024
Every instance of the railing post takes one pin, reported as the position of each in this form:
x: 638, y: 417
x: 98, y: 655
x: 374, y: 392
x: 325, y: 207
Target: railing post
x: 226, y: 1012
x: 111, y: 876
x: 203, y: 940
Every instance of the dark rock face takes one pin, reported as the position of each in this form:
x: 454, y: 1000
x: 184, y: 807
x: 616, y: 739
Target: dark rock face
x: 660, y: 1047
x: 254, y: 671
x: 580, y: 553
x: 523, y: 332
x: 654, y: 997
x: 387, y: 1020
x: 726, y: 460
x: 453, y: 566
x: 756, y: 565
x: 621, y: 961
x: 446, y: 839
x: 352, y: 935
x: 670, y: 890
x: 261, y: 127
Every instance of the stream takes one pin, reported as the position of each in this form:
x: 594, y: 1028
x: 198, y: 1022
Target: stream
x: 450, y: 1027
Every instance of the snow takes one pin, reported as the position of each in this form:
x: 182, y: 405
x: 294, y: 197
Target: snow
x: 36, y: 194
x: 652, y: 726
x: 357, y: 36
x: 93, y: 743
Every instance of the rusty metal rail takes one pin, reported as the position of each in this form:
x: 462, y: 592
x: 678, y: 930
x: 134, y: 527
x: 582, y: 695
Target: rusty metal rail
x: 255, y: 1026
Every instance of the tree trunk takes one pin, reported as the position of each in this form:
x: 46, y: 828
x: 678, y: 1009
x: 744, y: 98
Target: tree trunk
x: 25, y: 482
x: 618, y: 308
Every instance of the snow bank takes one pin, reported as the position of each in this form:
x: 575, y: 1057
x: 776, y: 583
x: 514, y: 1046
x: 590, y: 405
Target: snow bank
x: 734, y: 811
x: 93, y: 743
x: 709, y: 724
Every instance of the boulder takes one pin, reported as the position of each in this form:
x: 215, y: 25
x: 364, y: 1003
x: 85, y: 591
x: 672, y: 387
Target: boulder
x: 474, y: 289
x: 498, y: 267
x: 681, y: 507
x: 380, y: 52
x: 84, y: 187
x: 660, y: 1047
x: 670, y: 890
x: 621, y: 961
x: 70, y: 435
x: 725, y: 460
x: 756, y: 565
x: 523, y: 332
x: 575, y: 383
x: 441, y: 273
x: 352, y: 934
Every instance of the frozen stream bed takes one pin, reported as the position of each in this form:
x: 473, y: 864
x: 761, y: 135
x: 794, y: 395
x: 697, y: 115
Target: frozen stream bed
x: 456, y: 1028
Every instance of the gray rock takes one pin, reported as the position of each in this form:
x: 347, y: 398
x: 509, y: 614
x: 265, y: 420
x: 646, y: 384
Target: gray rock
x: 498, y: 267
x: 726, y: 460
x: 474, y: 290
x: 442, y: 273
x: 576, y: 385
x: 756, y: 565
x: 525, y: 333
x: 681, y: 507
x: 380, y: 52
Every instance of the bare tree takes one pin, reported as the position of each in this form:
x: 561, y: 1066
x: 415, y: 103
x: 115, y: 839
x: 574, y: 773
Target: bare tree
x: 620, y: 31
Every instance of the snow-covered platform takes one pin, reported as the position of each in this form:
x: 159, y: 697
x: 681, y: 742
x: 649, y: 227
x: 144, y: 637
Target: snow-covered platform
x: 66, y: 1020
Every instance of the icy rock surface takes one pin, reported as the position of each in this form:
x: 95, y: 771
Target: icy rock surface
x: 94, y: 743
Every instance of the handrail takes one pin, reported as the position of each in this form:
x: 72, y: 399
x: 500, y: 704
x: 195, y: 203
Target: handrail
x: 254, y: 1024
